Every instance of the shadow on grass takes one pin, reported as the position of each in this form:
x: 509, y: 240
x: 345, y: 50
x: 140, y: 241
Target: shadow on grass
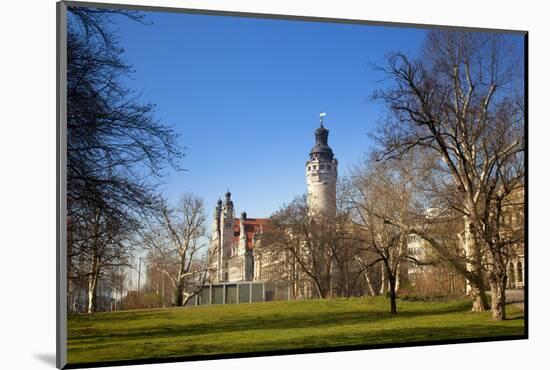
x: 404, y: 335
x: 348, y: 340
x: 245, y: 322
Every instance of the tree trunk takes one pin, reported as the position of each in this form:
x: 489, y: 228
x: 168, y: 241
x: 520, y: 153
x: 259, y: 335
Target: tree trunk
x: 179, y: 292
x: 185, y: 298
x: 320, y: 290
x: 383, y: 280
x: 369, y: 284
x: 498, y: 296
x: 471, y: 251
x: 163, y: 293
x: 329, y: 280
x: 345, y: 280
x: 92, y: 285
x: 294, y: 283
x: 398, y: 276
x: 477, y: 292
x: 393, y: 295
x: 397, y: 271
x: 475, y: 285
x: 181, y: 282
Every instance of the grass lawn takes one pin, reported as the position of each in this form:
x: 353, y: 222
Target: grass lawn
x: 178, y: 332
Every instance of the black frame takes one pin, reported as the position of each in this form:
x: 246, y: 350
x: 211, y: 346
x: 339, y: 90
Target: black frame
x: 61, y: 217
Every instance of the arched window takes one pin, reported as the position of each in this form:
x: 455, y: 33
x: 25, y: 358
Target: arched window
x: 511, y: 276
x: 520, y: 272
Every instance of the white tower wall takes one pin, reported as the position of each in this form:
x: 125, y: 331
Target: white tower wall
x: 321, y: 179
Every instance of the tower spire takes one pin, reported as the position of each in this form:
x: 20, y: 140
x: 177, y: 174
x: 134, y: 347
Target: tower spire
x: 321, y: 149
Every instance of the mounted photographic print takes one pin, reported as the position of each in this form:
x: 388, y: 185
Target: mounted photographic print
x: 237, y: 185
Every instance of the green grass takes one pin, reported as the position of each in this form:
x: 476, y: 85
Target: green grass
x: 180, y: 332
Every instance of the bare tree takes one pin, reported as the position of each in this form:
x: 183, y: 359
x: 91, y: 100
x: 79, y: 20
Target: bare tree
x: 103, y: 241
x: 321, y: 250
x: 381, y: 192
x: 180, y: 239
x: 460, y: 101
x: 306, y: 239
x: 157, y: 279
x: 116, y: 149
x: 353, y: 261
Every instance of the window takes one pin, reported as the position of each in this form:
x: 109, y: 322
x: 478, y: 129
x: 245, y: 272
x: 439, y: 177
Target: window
x: 314, y: 167
x: 328, y: 167
x: 511, y: 275
x: 322, y: 167
x: 520, y: 272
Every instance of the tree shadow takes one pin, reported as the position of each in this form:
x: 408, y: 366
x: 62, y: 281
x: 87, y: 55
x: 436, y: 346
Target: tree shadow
x: 245, y: 323
x: 393, y: 336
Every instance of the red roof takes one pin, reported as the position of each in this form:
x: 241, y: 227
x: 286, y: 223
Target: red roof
x: 251, y: 227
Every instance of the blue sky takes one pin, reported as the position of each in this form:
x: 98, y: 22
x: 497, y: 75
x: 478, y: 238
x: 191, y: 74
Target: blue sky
x: 245, y: 95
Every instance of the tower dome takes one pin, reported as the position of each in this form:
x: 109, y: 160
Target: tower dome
x: 321, y: 150
x: 228, y: 201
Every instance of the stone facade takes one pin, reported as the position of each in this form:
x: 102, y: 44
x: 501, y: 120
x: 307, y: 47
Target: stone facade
x: 513, y: 221
x: 512, y: 228
x: 232, y: 244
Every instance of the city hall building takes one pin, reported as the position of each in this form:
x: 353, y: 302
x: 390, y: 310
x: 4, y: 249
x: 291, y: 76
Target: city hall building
x: 235, y: 239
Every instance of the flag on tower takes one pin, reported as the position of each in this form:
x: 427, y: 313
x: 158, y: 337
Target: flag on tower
x: 321, y: 115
